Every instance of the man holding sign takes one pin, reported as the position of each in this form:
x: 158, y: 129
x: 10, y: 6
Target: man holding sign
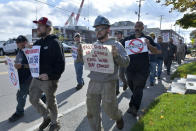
x: 78, y: 61
x: 52, y: 65
x: 103, y: 74
x: 137, y: 46
x: 21, y: 64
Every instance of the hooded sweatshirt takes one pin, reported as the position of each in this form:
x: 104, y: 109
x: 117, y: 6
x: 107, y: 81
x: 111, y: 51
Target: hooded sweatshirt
x: 52, y: 60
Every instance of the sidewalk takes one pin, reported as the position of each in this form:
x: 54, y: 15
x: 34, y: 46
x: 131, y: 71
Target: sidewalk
x: 76, y: 120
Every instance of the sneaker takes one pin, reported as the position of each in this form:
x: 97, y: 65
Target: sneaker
x: 124, y: 87
x: 55, y: 127
x: 120, y: 124
x: 78, y: 87
x: 151, y: 84
x: 132, y: 110
x: 44, y: 124
x: 15, y: 117
x: 117, y: 93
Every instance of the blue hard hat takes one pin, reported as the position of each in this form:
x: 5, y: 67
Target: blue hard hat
x: 100, y: 20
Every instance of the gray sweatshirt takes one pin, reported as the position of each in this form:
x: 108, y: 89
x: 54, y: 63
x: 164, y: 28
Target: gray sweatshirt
x: 121, y: 60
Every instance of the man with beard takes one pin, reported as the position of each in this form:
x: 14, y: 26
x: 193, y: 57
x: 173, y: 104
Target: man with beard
x: 122, y: 70
x: 138, y: 69
x: 52, y: 65
x: 102, y: 86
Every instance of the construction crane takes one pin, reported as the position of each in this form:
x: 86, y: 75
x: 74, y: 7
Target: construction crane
x: 71, y: 17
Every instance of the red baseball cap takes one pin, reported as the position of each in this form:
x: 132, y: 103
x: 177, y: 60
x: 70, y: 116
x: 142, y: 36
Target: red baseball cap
x: 44, y: 21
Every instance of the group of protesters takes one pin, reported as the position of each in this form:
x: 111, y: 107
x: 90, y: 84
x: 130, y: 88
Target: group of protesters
x: 132, y: 69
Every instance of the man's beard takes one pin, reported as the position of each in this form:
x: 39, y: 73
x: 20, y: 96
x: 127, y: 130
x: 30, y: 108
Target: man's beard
x: 42, y: 34
x: 102, y: 37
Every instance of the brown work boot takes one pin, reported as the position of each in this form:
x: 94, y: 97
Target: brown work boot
x: 55, y: 127
x: 120, y: 124
x: 44, y: 124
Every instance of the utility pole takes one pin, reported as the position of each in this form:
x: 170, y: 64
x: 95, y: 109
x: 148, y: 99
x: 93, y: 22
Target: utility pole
x: 161, y: 17
x: 139, y: 12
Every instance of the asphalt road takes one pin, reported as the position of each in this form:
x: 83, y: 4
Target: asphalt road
x: 71, y: 103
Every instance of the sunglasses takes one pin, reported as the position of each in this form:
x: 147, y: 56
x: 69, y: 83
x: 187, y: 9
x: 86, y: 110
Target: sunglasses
x: 100, y: 29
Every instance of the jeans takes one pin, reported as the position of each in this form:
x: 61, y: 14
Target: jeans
x: 152, y: 71
x: 79, y: 72
x: 101, y: 93
x: 159, y: 69
x: 21, y: 96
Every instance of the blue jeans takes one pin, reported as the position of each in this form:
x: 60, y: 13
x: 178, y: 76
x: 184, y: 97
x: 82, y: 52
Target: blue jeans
x: 79, y: 72
x: 152, y: 71
x: 22, y: 95
x: 159, y: 69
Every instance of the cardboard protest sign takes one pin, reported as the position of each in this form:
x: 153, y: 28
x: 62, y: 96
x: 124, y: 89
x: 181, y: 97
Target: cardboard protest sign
x: 165, y: 37
x: 74, y: 52
x: 13, y: 74
x: 136, y: 46
x: 33, y: 56
x: 98, y: 58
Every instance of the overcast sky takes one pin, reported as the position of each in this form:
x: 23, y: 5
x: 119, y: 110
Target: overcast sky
x: 17, y: 15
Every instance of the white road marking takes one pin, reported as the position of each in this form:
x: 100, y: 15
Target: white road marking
x: 3, y: 73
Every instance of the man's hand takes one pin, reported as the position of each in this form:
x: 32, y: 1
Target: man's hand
x: 114, y: 51
x: 43, y: 77
x: 147, y: 43
x: 153, y: 49
x: 18, y: 66
x: 28, y: 46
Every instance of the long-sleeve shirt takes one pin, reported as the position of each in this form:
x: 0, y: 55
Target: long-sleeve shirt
x: 121, y: 60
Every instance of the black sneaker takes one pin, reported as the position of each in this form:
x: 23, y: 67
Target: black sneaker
x: 120, y: 124
x: 44, y: 124
x: 78, y: 87
x: 55, y: 127
x: 151, y: 84
x: 132, y: 110
x: 124, y: 87
x: 15, y: 117
x: 117, y: 93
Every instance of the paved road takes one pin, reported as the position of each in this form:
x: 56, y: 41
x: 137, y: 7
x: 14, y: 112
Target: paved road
x: 71, y: 103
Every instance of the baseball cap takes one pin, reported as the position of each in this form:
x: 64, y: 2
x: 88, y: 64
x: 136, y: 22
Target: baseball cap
x: 21, y: 38
x: 77, y: 35
x: 44, y: 21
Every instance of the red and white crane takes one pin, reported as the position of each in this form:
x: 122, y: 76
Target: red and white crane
x: 71, y: 17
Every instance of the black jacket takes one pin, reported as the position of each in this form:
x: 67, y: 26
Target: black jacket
x: 24, y: 74
x: 138, y: 68
x: 52, y: 60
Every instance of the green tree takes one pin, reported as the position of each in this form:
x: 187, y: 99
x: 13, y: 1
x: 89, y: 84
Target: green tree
x: 187, y: 6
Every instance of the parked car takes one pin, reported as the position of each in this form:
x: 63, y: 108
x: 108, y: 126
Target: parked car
x: 8, y: 47
x: 66, y: 47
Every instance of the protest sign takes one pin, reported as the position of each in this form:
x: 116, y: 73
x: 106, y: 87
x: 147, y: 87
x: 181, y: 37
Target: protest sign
x: 136, y: 46
x: 98, y: 58
x: 33, y: 59
x: 13, y: 74
x: 74, y: 52
x: 165, y: 37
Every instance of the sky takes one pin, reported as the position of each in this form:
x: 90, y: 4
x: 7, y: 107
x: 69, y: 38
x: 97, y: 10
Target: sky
x: 17, y: 15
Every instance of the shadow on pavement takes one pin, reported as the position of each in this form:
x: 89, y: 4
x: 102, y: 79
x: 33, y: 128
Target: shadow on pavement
x: 32, y: 115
